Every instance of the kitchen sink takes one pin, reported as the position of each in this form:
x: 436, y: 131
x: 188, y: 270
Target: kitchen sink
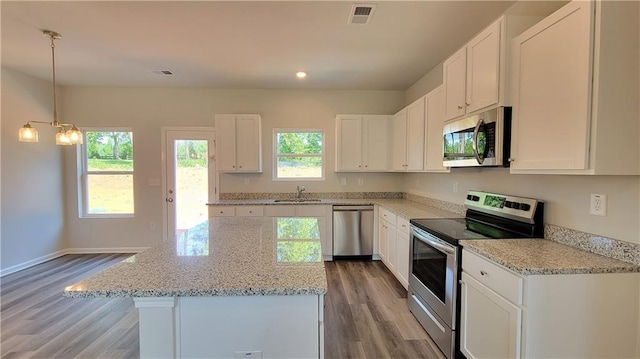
x: 298, y: 200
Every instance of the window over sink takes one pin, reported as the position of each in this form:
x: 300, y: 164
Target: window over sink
x: 298, y: 154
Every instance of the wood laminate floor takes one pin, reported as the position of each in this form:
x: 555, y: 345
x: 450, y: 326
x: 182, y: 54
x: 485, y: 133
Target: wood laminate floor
x: 366, y: 314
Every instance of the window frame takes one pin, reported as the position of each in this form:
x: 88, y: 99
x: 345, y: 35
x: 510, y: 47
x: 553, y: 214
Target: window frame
x: 275, y: 156
x: 83, y: 175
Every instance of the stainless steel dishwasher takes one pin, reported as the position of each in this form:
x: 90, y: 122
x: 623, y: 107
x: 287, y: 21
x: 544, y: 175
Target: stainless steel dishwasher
x: 352, y: 232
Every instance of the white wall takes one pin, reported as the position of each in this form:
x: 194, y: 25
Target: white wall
x: 146, y: 110
x: 32, y: 177
x: 566, y: 197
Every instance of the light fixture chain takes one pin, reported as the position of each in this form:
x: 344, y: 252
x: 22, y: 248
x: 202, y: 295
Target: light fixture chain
x: 53, y: 60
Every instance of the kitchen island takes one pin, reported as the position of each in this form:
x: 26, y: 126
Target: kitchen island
x: 230, y: 287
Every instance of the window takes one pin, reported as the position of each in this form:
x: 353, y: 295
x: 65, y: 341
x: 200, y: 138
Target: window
x: 107, y: 173
x: 299, y: 154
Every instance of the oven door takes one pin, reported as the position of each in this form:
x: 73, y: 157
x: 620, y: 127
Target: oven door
x: 434, y: 273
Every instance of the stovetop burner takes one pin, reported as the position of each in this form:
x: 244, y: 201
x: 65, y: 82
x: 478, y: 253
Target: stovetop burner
x: 489, y: 216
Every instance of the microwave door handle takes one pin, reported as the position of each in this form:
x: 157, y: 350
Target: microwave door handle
x: 475, y: 141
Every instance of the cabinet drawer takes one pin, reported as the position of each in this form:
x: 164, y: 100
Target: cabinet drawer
x: 402, y: 225
x: 497, y: 278
x: 249, y: 211
x: 280, y: 211
x: 222, y: 211
x: 387, y: 216
x: 310, y: 211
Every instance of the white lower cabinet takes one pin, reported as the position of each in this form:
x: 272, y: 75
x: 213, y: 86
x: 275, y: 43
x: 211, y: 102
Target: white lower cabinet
x: 402, y: 251
x: 393, y: 244
x: 506, y: 315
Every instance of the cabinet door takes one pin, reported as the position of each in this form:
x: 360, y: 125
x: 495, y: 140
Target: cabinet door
x: 248, y: 143
x: 349, y: 141
x: 552, y: 91
x: 490, y: 326
x: 483, y: 68
x: 376, y: 143
x: 391, y: 248
x: 399, y: 161
x: 433, y: 131
x: 454, y: 78
x: 402, y: 255
x: 225, y: 143
x: 382, y: 240
x: 415, y: 135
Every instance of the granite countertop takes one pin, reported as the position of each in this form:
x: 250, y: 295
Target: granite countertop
x: 540, y: 256
x: 230, y: 256
x: 402, y: 207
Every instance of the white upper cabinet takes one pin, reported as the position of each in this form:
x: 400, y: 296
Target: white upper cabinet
x: 408, y: 137
x: 575, y: 91
x: 434, y: 109
x: 475, y: 76
x: 238, y: 143
x: 363, y: 143
x: 471, y: 75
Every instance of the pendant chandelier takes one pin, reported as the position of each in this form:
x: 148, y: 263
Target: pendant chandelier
x: 68, y: 134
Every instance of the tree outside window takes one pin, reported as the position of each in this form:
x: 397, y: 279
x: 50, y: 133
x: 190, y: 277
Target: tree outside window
x: 299, y: 154
x: 107, y: 158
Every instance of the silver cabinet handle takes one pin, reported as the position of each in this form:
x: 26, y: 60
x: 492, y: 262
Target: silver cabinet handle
x: 459, y: 107
x: 169, y: 199
x: 483, y: 272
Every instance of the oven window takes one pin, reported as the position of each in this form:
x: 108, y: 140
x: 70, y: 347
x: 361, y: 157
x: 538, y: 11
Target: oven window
x: 430, y: 267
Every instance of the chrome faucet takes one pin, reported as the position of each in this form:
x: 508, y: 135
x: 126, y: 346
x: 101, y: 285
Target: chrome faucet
x: 299, y: 191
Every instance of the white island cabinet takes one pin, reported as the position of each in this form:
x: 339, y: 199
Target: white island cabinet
x: 230, y: 287
x: 505, y: 314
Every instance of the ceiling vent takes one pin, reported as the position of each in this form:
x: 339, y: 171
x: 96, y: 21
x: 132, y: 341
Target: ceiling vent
x: 361, y: 14
x: 162, y: 72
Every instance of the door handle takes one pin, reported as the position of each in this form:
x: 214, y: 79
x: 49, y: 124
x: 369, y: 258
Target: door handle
x: 169, y: 199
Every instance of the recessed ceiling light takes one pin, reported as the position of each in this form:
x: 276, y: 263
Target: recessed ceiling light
x: 301, y: 74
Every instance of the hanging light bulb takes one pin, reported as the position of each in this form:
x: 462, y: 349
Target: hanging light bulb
x: 62, y: 138
x: 28, y: 134
x: 75, y: 136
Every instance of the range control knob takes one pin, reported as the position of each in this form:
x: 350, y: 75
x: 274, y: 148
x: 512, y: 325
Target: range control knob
x: 475, y: 198
x: 508, y: 204
x: 515, y: 205
x: 469, y: 197
x: 525, y: 207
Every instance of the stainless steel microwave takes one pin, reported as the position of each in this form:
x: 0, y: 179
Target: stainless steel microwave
x: 483, y: 139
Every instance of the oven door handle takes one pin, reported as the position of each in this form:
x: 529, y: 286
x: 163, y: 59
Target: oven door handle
x: 437, y: 245
x: 475, y: 141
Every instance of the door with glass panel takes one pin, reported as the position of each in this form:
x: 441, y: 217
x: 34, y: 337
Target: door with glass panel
x: 190, y: 179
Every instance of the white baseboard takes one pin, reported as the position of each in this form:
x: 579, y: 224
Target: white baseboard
x: 48, y: 257
x: 106, y: 250
x: 31, y: 263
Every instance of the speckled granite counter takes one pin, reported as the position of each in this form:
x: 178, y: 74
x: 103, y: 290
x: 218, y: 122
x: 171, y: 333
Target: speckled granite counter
x: 232, y: 256
x: 540, y: 256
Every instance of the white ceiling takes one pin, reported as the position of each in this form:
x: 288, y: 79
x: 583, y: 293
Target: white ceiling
x: 238, y: 44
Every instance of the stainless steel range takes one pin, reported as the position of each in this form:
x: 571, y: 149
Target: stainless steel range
x: 436, y: 257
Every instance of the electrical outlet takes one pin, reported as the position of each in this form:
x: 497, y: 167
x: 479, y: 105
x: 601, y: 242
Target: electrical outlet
x: 598, y: 205
x: 343, y: 181
x: 249, y: 354
x: 152, y: 226
x: 246, y: 181
x: 360, y: 181
x: 455, y: 187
